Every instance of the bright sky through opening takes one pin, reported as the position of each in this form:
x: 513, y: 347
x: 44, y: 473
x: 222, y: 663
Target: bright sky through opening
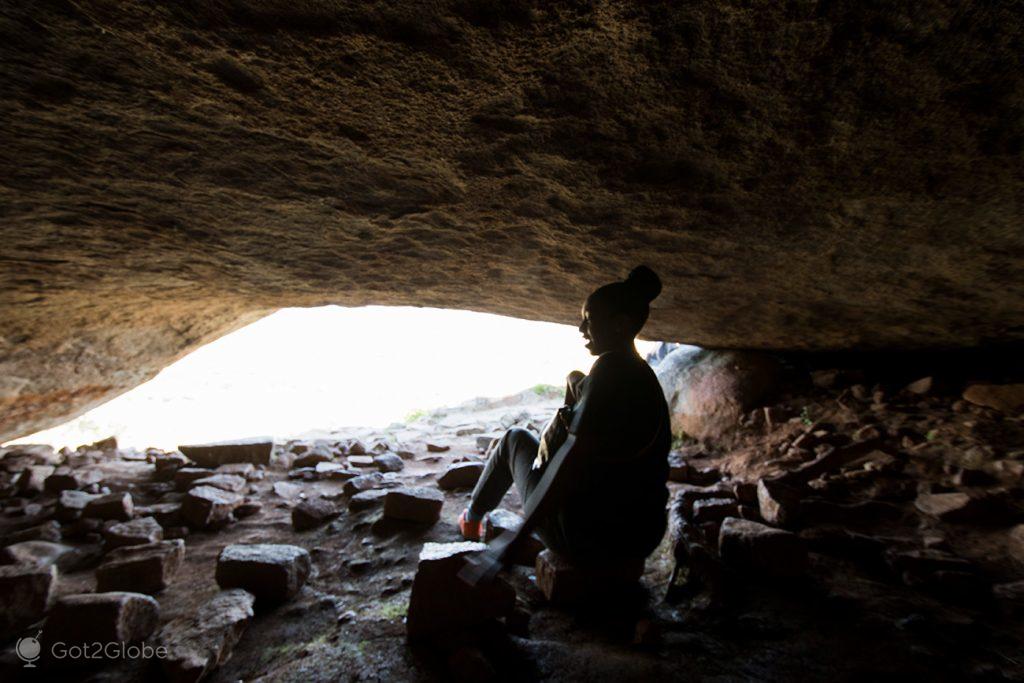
x: 303, y: 369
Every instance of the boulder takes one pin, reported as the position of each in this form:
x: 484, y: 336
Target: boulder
x: 116, y: 616
x: 198, y: 644
x: 714, y: 510
x: 498, y: 521
x: 166, y: 514
x: 140, y: 568
x: 388, y: 462
x: 311, y: 459
x: 368, y: 482
x: 461, y: 475
x: 256, y: 451
x: 961, y: 508
x: 709, y: 391
x: 563, y: 582
x: 184, y: 477
x: 777, y: 502
x: 1015, y: 543
x: 67, y: 478
x: 760, y: 549
x: 311, y: 513
x: 441, y: 603
x: 205, y: 507
x: 272, y: 573
x: 136, y: 532
x: 33, y: 478
x: 110, y: 506
x: 366, y: 499
x: 45, y: 553
x: 25, y: 594
x: 414, y: 504
x: 333, y: 471
x: 1008, y: 398
x: 71, y: 504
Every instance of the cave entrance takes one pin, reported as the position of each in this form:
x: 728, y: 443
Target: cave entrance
x: 305, y: 370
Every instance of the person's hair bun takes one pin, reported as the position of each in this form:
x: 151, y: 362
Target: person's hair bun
x: 645, y: 283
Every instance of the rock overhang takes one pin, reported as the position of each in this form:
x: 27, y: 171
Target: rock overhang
x: 804, y: 176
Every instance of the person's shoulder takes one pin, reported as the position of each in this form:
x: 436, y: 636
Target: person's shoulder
x: 616, y: 363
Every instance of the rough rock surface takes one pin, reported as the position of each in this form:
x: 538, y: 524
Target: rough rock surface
x: 802, y: 175
x: 272, y: 573
x: 25, y: 592
x: 141, y: 568
x: 197, y: 645
x: 103, y: 617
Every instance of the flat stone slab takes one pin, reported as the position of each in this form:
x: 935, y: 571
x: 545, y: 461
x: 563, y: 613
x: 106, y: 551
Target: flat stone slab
x: 103, y: 617
x: 256, y: 451
x: 198, y: 644
x: 71, y: 504
x: 141, y: 568
x: 65, y: 557
x: 714, y: 510
x: 272, y: 573
x: 441, y: 603
x: 205, y: 507
x: 25, y: 594
x: 760, y: 549
x: 136, y: 532
x: 414, y: 504
x: 388, y: 462
x: 461, y: 475
x: 225, y: 482
x: 368, y: 482
x: 367, y: 499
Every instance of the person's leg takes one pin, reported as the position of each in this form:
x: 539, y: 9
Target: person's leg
x: 511, y: 461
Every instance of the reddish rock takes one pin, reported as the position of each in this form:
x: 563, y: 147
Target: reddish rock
x: 562, y: 582
x: 311, y: 513
x: 205, y: 507
x: 1008, y: 398
x: 777, y: 502
x: 438, y: 448
x: 441, y: 603
x: 959, y: 507
x: 272, y: 573
x: 110, y: 506
x: 753, y: 547
x: 311, y: 459
x: 102, y: 617
x: 198, y: 644
x: 25, y: 594
x: 141, y: 568
x: 256, y: 451
x: 139, y: 531
x: 462, y: 475
x: 414, y: 504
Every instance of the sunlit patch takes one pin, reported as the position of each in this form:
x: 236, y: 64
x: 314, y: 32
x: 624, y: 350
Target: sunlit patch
x: 301, y: 369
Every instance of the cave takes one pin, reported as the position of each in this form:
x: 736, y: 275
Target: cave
x: 829, y: 190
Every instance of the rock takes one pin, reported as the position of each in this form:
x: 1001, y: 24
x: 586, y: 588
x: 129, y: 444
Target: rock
x: 241, y: 469
x: 71, y: 504
x: 225, y: 482
x: 708, y: 391
x: 714, y: 510
x: 355, y: 447
x: 414, y: 504
x: 688, y: 496
x: 114, y: 617
x: 166, y: 465
x: 388, y: 462
x: 367, y: 482
x: 563, y: 583
x: 25, y: 594
x: 44, y: 553
x: 247, y: 508
x: 483, y: 443
x: 256, y: 451
x: 920, y: 387
x: 366, y: 499
x: 745, y: 493
x: 184, y: 476
x: 166, y: 514
x: 777, y: 502
x: 136, y: 532
x: 110, y: 506
x: 66, y: 478
x: 140, y: 568
x: 1015, y: 543
x: 107, y: 444
x: 311, y: 513
x: 749, y: 546
x: 438, y: 448
x: 199, y: 644
x: 205, y: 507
x: 498, y: 522
x: 961, y: 508
x: 461, y: 475
x: 33, y: 479
x: 272, y: 573
x: 363, y: 461
x: 311, y: 459
x: 441, y: 603
x: 287, y: 490
x: 333, y: 471
x: 1008, y: 398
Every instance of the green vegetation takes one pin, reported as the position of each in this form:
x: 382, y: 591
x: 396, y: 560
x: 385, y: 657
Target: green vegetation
x: 396, y: 609
x: 805, y: 417
x: 546, y: 390
x: 415, y: 415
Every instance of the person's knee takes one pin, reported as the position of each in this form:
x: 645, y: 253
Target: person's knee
x: 519, y: 435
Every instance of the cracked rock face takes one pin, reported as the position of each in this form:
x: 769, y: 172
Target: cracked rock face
x: 803, y: 175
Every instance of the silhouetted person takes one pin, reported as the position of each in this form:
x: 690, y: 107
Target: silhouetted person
x: 596, y: 489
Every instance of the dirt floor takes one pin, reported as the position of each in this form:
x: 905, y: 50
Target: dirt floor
x: 848, y: 617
